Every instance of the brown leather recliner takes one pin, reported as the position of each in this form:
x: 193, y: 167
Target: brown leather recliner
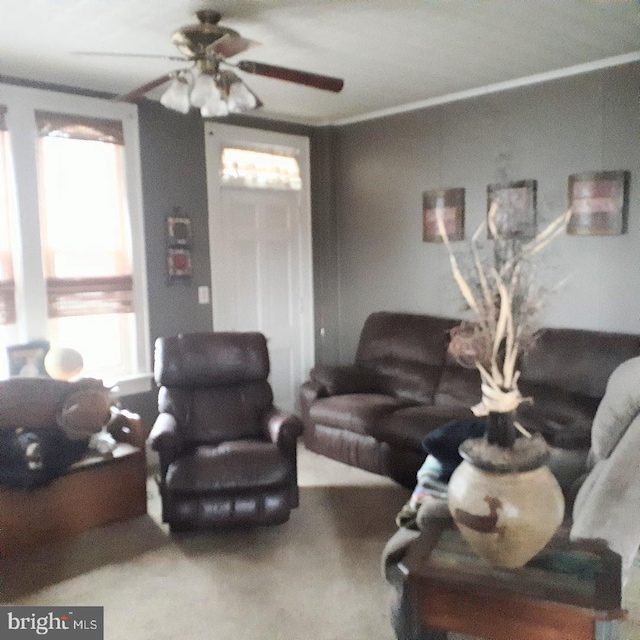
x: 227, y: 456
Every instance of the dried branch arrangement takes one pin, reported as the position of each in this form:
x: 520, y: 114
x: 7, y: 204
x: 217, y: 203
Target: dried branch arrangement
x: 505, y: 300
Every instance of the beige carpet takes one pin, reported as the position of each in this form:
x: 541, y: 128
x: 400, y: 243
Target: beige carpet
x: 317, y: 577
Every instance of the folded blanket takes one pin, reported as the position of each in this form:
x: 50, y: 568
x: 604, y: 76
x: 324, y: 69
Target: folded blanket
x: 441, y: 446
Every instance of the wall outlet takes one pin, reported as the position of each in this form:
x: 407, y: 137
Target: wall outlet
x: 203, y: 295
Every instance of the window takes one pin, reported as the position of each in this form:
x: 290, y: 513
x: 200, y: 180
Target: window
x: 7, y: 301
x: 7, y: 284
x: 88, y: 289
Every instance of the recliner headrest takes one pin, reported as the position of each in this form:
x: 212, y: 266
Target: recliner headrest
x: 211, y: 359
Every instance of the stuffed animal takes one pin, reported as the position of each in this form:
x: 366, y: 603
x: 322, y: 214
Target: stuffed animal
x: 86, y: 415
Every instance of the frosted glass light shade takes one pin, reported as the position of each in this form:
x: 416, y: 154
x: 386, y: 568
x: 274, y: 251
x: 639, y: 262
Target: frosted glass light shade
x: 240, y: 98
x: 204, y: 90
x: 176, y: 97
x: 213, y: 104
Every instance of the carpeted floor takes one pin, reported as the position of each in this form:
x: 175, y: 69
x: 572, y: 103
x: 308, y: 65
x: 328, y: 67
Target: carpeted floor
x: 317, y: 577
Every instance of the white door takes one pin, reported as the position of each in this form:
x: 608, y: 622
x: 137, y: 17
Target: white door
x: 260, y: 243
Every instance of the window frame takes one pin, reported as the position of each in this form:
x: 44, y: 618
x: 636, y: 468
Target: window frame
x: 31, y: 293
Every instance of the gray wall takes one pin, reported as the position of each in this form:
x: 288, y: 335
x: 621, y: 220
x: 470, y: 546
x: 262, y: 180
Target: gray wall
x: 174, y: 175
x: 367, y: 181
x: 544, y: 132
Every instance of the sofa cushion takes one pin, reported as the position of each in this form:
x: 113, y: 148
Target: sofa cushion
x: 225, y: 413
x: 411, y: 381
x: 563, y: 418
x: 357, y: 412
x: 348, y: 379
x: 577, y: 361
x: 407, y: 351
x: 232, y: 466
x: 407, y: 337
x: 458, y: 387
x: 407, y: 427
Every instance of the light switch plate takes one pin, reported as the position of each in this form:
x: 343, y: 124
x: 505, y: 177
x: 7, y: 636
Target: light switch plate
x: 203, y: 295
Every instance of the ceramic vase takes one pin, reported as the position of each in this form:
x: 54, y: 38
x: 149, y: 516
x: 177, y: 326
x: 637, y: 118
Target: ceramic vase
x: 505, y: 501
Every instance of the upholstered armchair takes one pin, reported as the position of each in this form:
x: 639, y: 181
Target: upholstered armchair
x: 608, y: 494
x: 227, y: 455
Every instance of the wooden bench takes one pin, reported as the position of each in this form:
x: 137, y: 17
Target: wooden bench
x: 96, y: 490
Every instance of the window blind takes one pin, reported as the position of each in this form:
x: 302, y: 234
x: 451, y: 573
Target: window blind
x: 89, y: 296
x: 60, y: 125
x: 7, y: 302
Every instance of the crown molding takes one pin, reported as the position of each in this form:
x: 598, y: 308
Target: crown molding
x: 491, y: 88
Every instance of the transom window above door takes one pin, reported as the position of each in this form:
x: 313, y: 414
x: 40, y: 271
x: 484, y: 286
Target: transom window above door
x: 257, y: 169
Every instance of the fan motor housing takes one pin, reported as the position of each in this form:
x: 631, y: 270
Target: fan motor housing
x: 192, y: 40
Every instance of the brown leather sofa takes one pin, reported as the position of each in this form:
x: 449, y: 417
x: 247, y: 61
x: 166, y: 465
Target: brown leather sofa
x: 403, y: 384
x: 227, y: 456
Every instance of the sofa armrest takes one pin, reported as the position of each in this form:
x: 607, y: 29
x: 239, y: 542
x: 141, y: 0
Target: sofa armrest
x: 283, y: 429
x: 348, y: 379
x: 165, y: 438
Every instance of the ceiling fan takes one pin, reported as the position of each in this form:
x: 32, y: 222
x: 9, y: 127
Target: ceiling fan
x: 210, y: 83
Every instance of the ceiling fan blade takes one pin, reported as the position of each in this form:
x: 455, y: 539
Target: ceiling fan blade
x: 292, y: 75
x: 229, y: 45
x: 136, y: 94
x: 129, y: 55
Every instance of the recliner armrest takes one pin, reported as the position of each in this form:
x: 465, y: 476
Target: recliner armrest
x: 283, y: 429
x: 347, y: 379
x: 165, y: 437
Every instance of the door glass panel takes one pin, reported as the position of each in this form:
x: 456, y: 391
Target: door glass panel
x: 256, y: 169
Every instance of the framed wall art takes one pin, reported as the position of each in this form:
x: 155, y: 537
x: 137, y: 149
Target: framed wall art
x: 178, y: 230
x: 179, y: 238
x: 179, y: 262
x: 27, y: 360
x: 448, y: 204
x: 599, y: 203
x: 516, y: 208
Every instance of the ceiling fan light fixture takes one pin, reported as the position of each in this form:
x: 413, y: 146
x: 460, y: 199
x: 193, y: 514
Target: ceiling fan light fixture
x: 240, y: 98
x: 215, y: 111
x: 214, y: 105
x: 204, y: 90
x: 176, y: 97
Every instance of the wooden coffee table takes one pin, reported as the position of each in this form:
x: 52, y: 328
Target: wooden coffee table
x: 569, y: 591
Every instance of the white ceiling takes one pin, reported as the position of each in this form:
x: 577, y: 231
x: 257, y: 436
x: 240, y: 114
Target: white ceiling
x: 393, y: 54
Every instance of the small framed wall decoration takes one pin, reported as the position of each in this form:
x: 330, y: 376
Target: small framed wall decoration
x: 178, y: 230
x: 448, y: 204
x: 516, y: 208
x: 27, y: 360
x: 179, y: 237
x: 179, y: 262
x: 599, y: 203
